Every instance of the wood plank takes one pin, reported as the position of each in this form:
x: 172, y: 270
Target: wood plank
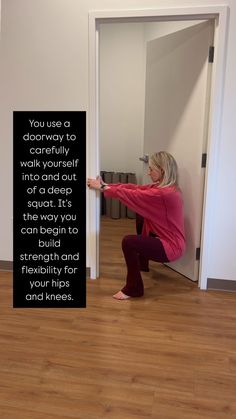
x: 168, y: 355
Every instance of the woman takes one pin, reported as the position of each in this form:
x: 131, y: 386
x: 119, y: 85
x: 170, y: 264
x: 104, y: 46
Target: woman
x: 161, y: 206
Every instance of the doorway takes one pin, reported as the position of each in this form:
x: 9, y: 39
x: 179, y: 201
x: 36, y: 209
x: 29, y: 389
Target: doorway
x: 154, y: 86
x: 101, y: 22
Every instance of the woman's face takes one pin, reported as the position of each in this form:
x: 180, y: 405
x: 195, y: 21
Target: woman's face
x: 155, y: 173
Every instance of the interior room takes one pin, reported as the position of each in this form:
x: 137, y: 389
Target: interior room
x: 170, y: 354
x: 156, y: 101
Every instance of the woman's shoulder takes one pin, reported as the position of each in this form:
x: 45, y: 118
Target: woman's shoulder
x: 167, y: 189
x: 154, y: 189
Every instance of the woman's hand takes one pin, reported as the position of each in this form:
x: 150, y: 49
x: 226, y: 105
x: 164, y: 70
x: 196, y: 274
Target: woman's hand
x: 97, y: 184
x: 101, y: 180
x: 94, y: 183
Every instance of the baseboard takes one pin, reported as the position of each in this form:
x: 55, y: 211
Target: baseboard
x: 6, y: 265
x: 221, y: 284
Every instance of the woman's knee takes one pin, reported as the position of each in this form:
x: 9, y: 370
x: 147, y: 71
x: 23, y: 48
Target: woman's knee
x: 127, y: 241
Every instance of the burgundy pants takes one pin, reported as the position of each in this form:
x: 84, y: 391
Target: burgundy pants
x: 138, y: 250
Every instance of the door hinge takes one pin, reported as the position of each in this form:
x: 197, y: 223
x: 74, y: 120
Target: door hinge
x: 198, y: 253
x: 211, y: 54
x: 204, y: 159
x: 144, y: 158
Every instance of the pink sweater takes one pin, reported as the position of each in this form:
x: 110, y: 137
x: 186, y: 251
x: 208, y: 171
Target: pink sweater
x: 161, y: 208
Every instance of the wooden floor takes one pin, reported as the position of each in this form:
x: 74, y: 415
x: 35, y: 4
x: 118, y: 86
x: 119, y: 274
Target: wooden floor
x: 168, y: 355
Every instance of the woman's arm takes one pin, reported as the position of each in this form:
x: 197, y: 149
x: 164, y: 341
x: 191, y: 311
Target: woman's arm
x: 143, y: 201
x: 98, y: 184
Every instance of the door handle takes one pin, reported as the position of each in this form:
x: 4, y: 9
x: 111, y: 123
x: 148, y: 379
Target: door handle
x: 145, y: 158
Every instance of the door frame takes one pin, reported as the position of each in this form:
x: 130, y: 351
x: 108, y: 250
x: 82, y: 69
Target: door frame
x: 220, y: 15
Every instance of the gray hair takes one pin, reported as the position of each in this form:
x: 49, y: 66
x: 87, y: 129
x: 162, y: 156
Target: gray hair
x: 166, y: 162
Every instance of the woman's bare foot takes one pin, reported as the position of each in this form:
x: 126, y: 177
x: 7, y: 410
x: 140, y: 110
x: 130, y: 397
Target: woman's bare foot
x: 121, y: 296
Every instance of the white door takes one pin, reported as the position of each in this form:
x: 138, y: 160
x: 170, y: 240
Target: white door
x: 176, y: 119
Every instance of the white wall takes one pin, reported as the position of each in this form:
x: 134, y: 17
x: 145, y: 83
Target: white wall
x: 44, y: 58
x: 122, y: 84
x: 122, y: 64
